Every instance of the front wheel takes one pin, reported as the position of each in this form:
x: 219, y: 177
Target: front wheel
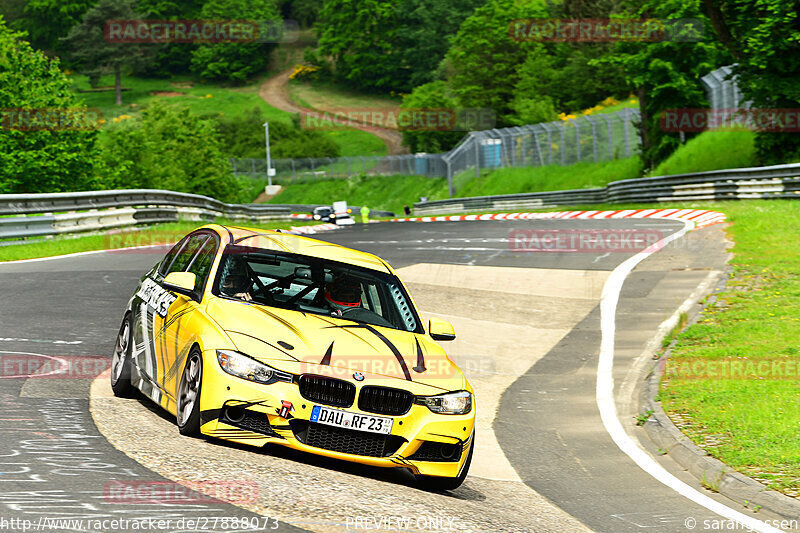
x: 121, y: 360
x: 439, y: 484
x: 189, y: 395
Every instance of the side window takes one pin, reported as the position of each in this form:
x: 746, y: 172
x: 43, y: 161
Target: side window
x: 184, y: 257
x: 167, y: 261
x: 201, y: 264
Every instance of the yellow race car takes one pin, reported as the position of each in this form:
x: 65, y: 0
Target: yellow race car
x: 268, y: 337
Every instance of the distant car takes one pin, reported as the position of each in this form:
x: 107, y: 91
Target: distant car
x: 323, y: 213
x: 263, y: 337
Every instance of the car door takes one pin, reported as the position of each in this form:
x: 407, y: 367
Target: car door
x: 179, y: 329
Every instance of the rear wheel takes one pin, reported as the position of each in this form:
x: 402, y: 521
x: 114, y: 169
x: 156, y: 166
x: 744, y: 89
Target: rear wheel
x: 439, y: 484
x: 121, y: 360
x: 189, y: 395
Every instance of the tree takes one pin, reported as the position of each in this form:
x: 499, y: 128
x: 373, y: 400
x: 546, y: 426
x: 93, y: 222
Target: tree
x: 169, y: 59
x: 666, y: 74
x: 483, y: 63
x: 388, y: 45
x: 235, y: 61
x: 763, y: 37
x: 94, y: 54
x: 168, y: 148
x: 47, y: 21
x: 304, y: 12
x: 431, y: 96
x: 35, y: 157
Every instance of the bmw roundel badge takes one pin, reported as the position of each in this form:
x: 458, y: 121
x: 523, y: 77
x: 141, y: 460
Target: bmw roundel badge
x: 358, y: 376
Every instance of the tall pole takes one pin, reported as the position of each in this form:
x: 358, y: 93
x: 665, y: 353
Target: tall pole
x: 269, y: 160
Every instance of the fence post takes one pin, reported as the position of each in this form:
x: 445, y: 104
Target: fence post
x: 577, y: 139
x: 594, y: 137
x: 294, y: 170
x: 451, y: 191
x: 477, y: 157
x: 563, y: 142
x: 627, y: 133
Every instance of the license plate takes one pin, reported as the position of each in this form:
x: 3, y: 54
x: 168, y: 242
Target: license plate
x: 343, y: 419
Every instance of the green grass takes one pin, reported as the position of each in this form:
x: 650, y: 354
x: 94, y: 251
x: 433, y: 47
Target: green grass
x: 711, y: 150
x: 113, y: 239
x: 548, y: 178
x: 327, y: 96
x: 392, y: 192
x: 376, y: 192
x: 229, y: 101
x: 356, y: 143
x: 749, y: 424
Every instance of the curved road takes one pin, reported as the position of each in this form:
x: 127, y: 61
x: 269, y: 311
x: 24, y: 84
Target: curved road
x: 529, y: 339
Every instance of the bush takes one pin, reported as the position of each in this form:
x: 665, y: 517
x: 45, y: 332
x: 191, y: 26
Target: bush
x: 243, y: 136
x: 235, y: 62
x: 40, y: 160
x: 168, y: 148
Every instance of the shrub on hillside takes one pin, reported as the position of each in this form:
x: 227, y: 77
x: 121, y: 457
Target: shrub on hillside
x: 168, y: 148
x: 243, y: 136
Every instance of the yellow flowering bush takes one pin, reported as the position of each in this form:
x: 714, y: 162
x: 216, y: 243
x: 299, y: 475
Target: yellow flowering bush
x: 302, y: 71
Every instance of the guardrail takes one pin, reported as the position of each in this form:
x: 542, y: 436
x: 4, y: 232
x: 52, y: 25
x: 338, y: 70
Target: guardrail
x: 779, y: 181
x: 24, y: 216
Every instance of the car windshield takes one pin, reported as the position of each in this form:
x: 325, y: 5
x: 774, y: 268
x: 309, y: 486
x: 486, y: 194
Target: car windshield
x: 314, y: 285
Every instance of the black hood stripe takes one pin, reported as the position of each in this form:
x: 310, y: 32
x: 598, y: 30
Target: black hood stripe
x: 326, y: 360
x: 420, y: 368
x: 386, y: 341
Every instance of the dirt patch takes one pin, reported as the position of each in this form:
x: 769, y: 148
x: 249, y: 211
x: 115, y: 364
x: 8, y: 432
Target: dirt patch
x: 182, y: 84
x: 167, y: 94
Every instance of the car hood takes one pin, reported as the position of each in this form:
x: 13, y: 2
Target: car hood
x: 308, y: 343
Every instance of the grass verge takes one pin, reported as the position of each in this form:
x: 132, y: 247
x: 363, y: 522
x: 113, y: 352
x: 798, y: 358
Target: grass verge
x: 748, y: 421
x: 711, y: 150
x: 393, y: 192
x: 160, y: 233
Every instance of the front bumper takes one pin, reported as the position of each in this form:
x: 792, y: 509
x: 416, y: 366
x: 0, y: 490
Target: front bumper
x: 241, y: 411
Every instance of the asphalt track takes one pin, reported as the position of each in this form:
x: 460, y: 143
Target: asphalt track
x: 57, y: 464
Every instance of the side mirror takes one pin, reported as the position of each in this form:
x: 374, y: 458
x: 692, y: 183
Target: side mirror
x: 441, y: 330
x: 182, y: 283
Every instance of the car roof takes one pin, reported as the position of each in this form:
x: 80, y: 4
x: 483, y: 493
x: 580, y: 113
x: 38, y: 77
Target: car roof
x: 297, y: 244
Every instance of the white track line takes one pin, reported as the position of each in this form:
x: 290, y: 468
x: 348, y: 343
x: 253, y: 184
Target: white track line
x: 608, y: 408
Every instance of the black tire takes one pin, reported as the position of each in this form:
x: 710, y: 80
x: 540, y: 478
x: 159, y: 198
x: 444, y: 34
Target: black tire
x: 441, y: 484
x: 121, y: 360
x: 191, y: 385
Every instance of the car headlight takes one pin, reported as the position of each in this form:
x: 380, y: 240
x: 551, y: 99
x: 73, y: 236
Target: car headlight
x: 451, y: 403
x: 317, y: 217
x: 245, y: 367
